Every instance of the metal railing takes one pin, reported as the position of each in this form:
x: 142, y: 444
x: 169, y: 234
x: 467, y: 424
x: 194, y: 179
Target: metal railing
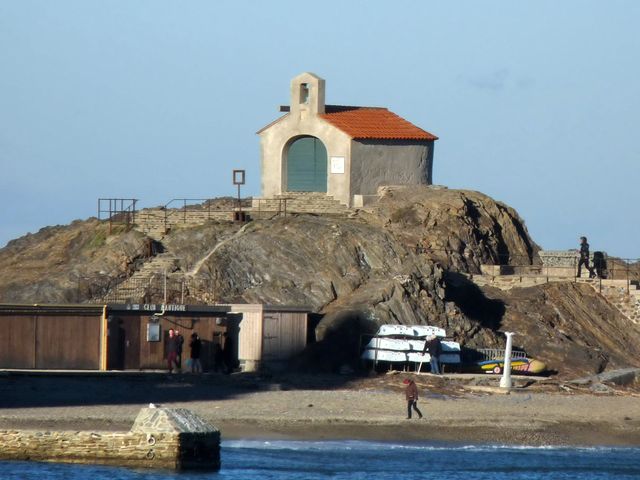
x: 161, y: 288
x: 270, y: 206
x: 184, y: 210
x: 178, y: 210
x: 616, y: 267
x: 117, y: 210
x: 496, y: 354
x: 563, y: 265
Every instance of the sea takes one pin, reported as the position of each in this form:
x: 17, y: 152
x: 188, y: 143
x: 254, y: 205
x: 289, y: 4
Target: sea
x: 343, y: 459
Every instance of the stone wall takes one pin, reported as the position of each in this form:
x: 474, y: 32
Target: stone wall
x: 624, y: 296
x: 376, y: 163
x: 160, y: 438
x: 126, y: 449
x: 559, y: 258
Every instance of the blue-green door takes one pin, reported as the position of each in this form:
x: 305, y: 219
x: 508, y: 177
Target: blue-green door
x: 307, y: 166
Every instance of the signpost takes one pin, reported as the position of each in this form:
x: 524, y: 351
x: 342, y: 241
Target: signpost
x: 238, y: 179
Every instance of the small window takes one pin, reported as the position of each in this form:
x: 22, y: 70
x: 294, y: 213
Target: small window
x: 304, y: 93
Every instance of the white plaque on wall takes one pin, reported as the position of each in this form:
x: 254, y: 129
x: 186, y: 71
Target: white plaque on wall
x: 337, y: 164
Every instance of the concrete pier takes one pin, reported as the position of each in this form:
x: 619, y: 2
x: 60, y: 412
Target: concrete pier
x: 174, y: 439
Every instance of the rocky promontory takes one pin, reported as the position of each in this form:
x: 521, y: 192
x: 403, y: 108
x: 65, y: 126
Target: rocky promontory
x: 403, y: 260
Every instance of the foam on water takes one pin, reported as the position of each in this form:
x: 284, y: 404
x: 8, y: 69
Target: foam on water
x: 364, y: 445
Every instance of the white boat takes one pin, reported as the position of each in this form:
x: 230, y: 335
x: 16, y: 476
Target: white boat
x: 410, y: 331
x: 396, y: 344
x: 384, y: 356
x: 387, y: 347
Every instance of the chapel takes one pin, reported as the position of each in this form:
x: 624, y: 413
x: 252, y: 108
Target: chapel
x: 345, y: 152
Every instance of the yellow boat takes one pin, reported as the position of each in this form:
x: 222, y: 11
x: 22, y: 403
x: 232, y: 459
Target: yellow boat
x: 521, y: 365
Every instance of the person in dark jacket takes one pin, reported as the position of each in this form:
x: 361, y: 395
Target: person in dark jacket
x: 180, y: 340
x: 411, y: 394
x: 195, y: 345
x: 584, y: 258
x: 228, y: 354
x: 433, y: 345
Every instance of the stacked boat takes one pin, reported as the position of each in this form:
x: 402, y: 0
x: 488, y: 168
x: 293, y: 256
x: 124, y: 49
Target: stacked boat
x: 405, y: 344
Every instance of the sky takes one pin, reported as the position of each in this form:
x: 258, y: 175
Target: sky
x: 536, y: 104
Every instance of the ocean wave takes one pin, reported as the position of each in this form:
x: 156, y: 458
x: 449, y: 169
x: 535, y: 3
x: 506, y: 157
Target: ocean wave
x: 364, y: 445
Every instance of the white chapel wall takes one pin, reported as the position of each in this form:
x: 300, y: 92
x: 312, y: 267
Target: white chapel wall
x: 276, y: 139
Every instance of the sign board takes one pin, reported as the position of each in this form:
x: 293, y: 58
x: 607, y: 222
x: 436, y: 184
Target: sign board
x: 153, y: 332
x: 238, y: 177
x: 337, y: 164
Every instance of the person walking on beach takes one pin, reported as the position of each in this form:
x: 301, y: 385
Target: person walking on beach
x: 584, y: 258
x: 172, y: 350
x: 195, y: 345
x: 411, y: 394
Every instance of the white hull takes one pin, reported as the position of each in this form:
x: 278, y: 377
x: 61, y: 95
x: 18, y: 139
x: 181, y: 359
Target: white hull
x: 410, y: 331
x: 387, y: 347
x: 409, y: 345
x: 404, y: 357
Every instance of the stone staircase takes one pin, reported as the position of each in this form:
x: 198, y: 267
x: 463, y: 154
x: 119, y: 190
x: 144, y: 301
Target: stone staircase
x: 300, y: 202
x: 151, y: 275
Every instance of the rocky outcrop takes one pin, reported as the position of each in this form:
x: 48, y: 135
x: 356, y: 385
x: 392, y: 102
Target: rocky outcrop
x: 68, y: 264
x: 568, y: 326
x: 460, y: 229
x: 403, y: 260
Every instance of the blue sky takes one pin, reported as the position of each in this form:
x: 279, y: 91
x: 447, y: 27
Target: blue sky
x: 536, y: 104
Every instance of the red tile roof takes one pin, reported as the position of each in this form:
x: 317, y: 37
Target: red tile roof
x: 373, y: 123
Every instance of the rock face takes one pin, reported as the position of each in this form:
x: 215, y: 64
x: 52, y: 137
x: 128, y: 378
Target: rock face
x: 67, y: 264
x: 402, y: 260
x: 460, y: 229
x: 358, y: 275
x: 568, y: 326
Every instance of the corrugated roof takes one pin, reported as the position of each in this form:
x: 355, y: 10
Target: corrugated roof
x: 373, y: 123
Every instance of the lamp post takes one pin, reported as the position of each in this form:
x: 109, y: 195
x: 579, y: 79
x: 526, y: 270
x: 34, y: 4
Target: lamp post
x: 505, y: 381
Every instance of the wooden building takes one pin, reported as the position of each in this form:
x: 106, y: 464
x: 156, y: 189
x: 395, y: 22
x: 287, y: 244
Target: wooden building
x: 133, y: 337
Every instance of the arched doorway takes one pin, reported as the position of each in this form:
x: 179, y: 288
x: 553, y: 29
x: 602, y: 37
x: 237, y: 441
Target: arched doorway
x: 307, y: 165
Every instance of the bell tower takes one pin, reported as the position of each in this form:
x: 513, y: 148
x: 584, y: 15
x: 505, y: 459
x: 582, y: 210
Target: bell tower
x: 307, y: 95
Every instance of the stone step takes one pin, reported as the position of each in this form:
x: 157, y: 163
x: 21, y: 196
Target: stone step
x: 137, y: 284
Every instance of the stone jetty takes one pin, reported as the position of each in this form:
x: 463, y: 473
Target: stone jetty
x: 166, y: 438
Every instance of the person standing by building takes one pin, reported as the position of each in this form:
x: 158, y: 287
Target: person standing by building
x: 172, y: 350
x: 228, y: 353
x: 433, y: 345
x: 584, y: 258
x: 180, y: 340
x: 411, y: 394
x: 195, y: 345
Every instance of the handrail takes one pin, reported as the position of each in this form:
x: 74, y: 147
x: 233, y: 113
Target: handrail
x: 563, y: 264
x: 118, y: 212
x: 195, y: 205
x: 182, y: 206
x: 615, y: 264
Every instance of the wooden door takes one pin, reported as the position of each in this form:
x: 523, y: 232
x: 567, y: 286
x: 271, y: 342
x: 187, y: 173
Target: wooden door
x: 307, y: 166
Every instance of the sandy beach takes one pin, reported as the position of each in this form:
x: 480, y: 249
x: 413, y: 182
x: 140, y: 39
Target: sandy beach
x: 330, y: 407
